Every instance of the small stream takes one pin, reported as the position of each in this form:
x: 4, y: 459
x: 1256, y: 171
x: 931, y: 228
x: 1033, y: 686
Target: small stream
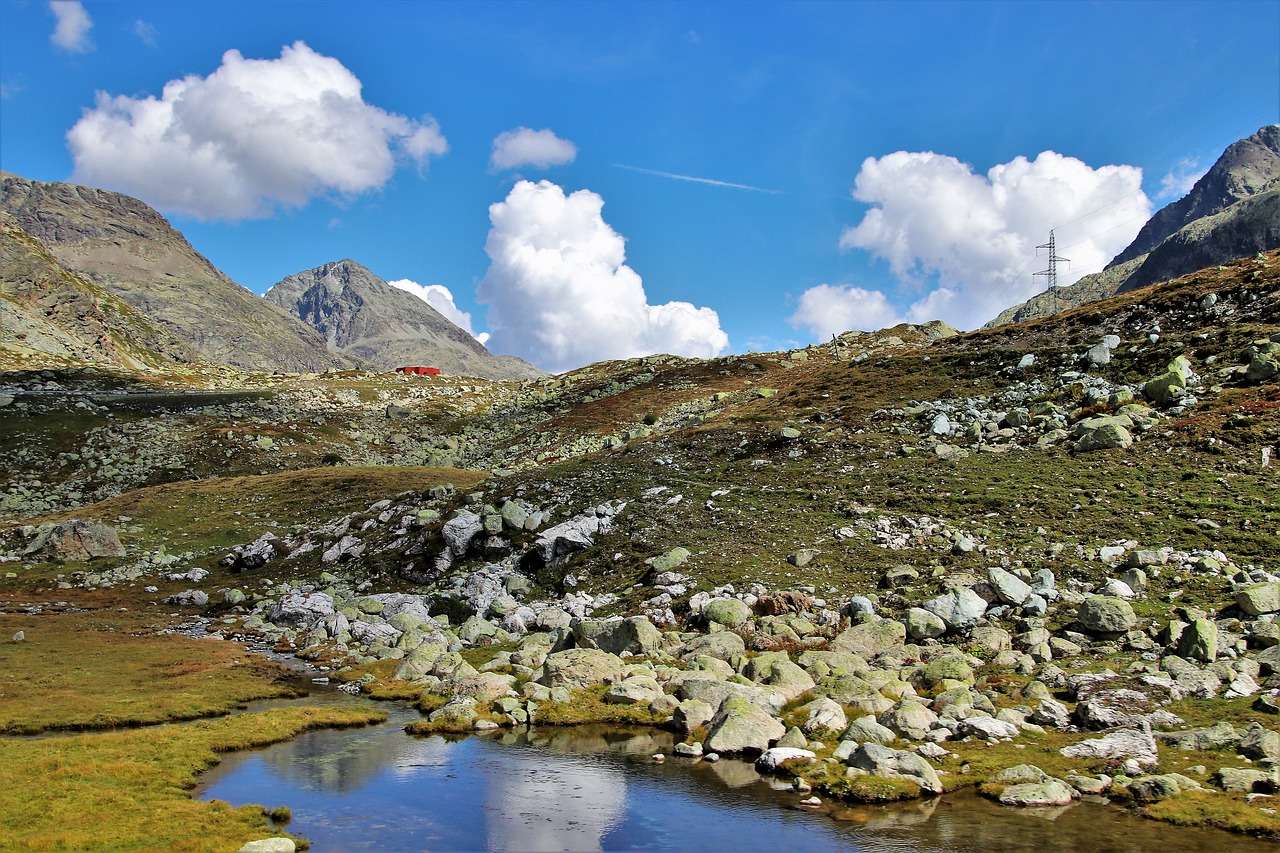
x: 594, y: 788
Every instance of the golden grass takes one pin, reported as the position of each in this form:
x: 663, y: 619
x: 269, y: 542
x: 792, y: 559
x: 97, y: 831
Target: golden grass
x: 89, y: 671
x: 130, y: 790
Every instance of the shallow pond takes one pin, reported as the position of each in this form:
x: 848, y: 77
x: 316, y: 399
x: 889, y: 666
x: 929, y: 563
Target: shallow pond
x: 594, y: 788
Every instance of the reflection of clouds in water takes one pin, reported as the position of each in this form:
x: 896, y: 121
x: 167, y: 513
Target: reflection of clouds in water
x: 535, y: 804
x: 345, y: 760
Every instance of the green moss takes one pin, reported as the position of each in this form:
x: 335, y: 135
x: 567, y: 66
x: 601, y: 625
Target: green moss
x: 1203, y: 808
x: 588, y: 706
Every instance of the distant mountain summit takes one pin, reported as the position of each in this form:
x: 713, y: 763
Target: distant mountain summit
x: 1231, y: 212
x: 358, y: 314
x: 121, y: 245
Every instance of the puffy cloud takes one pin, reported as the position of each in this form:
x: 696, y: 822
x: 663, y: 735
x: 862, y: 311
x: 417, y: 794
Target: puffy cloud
x: 561, y: 296
x: 440, y: 298
x: 829, y: 309
x: 71, y: 32
x: 253, y: 134
x: 976, y: 235
x: 526, y: 147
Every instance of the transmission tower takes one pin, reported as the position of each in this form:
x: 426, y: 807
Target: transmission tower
x: 1052, y: 272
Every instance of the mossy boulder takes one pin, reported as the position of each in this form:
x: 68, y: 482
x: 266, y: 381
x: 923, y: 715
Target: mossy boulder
x: 740, y: 726
x: 1106, y: 615
x: 729, y: 612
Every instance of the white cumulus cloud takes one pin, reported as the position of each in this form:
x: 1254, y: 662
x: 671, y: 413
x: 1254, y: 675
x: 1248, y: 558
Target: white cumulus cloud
x: 829, y: 309
x: 561, y: 295
x: 71, y: 32
x: 254, y: 134
x: 527, y: 147
x: 440, y: 298
x: 965, y: 243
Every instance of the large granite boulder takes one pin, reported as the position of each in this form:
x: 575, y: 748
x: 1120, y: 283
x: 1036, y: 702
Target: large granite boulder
x: 576, y: 669
x: 74, y: 540
x: 740, y: 726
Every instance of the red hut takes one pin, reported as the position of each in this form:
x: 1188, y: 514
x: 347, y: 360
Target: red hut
x: 419, y: 371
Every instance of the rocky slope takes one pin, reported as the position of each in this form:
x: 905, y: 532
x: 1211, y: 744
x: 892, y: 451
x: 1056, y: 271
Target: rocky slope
x: 130, y: 250
x: 49, y: 315
x: 1039, y: 560
x: 1231, y: 212
x: 359, y: 314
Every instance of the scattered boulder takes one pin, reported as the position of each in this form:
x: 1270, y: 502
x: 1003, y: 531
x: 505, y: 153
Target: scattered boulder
x: 1106, y: 615
x: 959, y: 609
x: 740, y: 726
x: 576, y: 669
x: 889, y: 763
x: 74, y: 540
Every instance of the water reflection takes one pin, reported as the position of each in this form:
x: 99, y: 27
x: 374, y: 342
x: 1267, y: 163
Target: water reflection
x: 594, y: 789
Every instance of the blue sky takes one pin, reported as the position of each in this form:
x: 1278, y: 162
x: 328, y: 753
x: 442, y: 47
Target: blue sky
x: 368, y: 131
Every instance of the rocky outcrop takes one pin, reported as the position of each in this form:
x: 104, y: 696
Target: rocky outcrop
x: 74, y: 540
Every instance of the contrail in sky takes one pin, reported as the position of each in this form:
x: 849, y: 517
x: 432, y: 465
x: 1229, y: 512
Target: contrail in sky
x: 673, y: 176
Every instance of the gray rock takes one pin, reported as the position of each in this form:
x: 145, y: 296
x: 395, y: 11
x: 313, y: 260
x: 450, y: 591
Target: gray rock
x: 1259, y: 599
x: 1119, y: 745
x: 74, y: 540
x: 298, y: 610
x: 636, y: 635
x: 823, y: 715
x: 1050, y: 793
x: 1008, y: 587
x: 924, y: 625
x: 740, y: 726
x: 460, y: 530
x: 1199, y: 641
x: 867, y: 730
x: 575, y: 669
x: 890, y: 763
x: 960, y: 608
x: 1106, y: 615
x: 870, y: 638
x: 269, y: 845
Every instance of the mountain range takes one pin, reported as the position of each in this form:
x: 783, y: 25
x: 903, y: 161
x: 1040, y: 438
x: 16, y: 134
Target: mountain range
x: 102, y: 277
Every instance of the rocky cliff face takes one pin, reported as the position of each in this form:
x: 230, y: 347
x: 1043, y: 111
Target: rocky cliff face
x: 128, y: 249
x: 1231, y: 212
x: 51, y: 315
x: 359, y: 314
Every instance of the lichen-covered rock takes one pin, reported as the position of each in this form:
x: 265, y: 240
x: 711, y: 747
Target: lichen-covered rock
x: 889, y: 763
x: 1259, y: 599
x: 924, y: 625
x: 1119, y: 745
x: 298, y: 609
x: 576, y: 669
x: 76, y: 540
x: 1050, y: 793
x: 870, y: 638
x: 722, y: 645
x: 960, y: 608
x: 729, y: 612
x: 1105, y: 614
x: 636, y: 635
x: 740, y: 726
